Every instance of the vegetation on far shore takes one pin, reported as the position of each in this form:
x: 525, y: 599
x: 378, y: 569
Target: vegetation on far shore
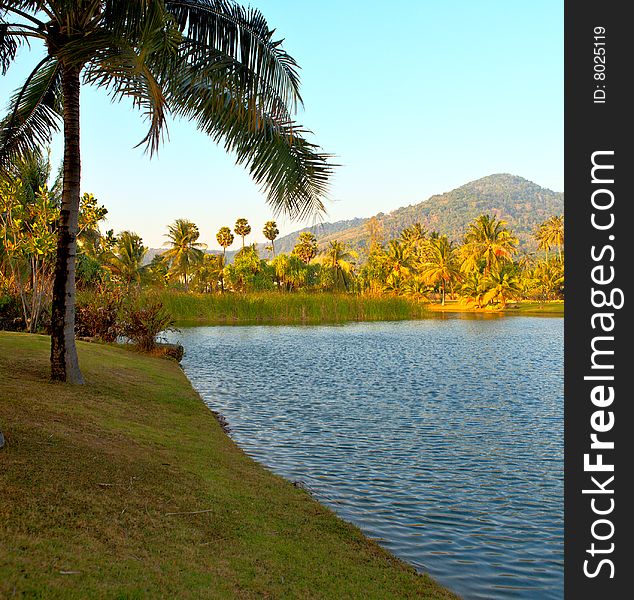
x: 273, y: 307
x: 127, y: 487
x: 398, y: 278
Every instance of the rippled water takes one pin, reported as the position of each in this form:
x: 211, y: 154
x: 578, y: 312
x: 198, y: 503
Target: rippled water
x: 443, y: 439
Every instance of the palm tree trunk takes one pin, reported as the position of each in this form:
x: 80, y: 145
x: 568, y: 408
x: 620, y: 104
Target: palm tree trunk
x: 443, y: 292
x: 222, y: 273
x: 64, y: 361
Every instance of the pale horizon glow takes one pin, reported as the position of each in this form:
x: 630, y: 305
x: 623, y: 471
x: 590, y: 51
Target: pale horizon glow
x: 414, y: 101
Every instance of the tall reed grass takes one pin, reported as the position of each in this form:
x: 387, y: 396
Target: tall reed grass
x: 280, y: 307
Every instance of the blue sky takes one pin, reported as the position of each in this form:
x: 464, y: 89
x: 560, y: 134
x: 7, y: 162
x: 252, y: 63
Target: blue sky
x: 414, y: 97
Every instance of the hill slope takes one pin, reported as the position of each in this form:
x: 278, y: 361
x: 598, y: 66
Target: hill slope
x: 522, y: 203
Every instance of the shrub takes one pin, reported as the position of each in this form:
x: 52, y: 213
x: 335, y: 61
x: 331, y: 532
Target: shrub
x: 142, y: 322
x: 11, y: 315
x: 97, y: 315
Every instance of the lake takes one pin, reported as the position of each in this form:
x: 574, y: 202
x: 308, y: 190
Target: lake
x: 442, y: 438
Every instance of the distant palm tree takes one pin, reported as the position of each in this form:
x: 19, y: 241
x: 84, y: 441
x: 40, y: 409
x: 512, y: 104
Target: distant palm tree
x: 185, y: 251
x: 413, y: 236
x: 399, y: 260
x: 340, y: 259
x: 225, y: 239
x: 306, y: 246
x: 291, y: 271
x: 551, y: 235
x: 210, y: 61
x: 242, y: 228
x: 208, y: 273
x: 472, y: 288
x: 488, y: 241
x: 127, y: 260
x: 439, y: 265
x: 270, y: 233
x: 502, y: 285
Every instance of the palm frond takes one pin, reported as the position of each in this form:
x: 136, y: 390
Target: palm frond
x: 8, y: 47
x: 292, y: 171
x: 122, y: 70
x: 35, y: 113
x: 243, y: 35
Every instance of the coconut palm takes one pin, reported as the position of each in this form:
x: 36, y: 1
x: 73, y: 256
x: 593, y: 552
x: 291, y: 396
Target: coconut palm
x: 126, y: 262
x: 438, y: 264
x: 398, y: 260
x: 472, y: 288
x: 340, y: 260
x: 185, y: 251
x: 551, y: 235
x: 271, y: 232
x: 502, y: 284
x: 413, y: 236
x: 210, y: 61
x: 242, y: 228
x: 306, y: 246
x: 487, y: 242
x: 208, y: 273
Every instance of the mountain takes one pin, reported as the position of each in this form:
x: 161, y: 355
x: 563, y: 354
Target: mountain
x: 522, y: 203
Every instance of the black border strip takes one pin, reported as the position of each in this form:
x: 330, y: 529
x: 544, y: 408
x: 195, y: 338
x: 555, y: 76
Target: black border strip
x: 595, y: 114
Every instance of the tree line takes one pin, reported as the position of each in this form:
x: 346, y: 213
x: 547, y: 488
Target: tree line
x: 485, y: 269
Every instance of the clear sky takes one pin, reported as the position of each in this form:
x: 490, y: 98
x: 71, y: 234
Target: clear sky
x: 414, y: 97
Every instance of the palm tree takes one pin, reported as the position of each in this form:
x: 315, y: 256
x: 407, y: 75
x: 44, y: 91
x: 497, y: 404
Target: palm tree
x: 270, y: 232
x: 185, y: 251
x: 413, y: 236
x: 439, y: 265
x: 551, y: 235
x: 306, y: 246
x: 208, y: 273
x: 127, y: 259
x: 487, y: 241
x: 472, y: 287
x: 502, y: 285
x: 338, y: 258
x: 211, y: 61
x: 399, y: 260
x: 225, y: 239
x: 291, y: 271
x: 242, y: 228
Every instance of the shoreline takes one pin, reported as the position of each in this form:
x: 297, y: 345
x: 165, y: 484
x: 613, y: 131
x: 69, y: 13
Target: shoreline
x: 145, y: 493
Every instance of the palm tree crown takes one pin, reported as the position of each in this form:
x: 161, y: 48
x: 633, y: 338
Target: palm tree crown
x: 127, y: 260
x: 551, y: 234
x: 489, y: 241
x: 224, y: 238
x: 271, y: 232
x: 242, y: 228
x: 210, y: 61
x: 185, y: 251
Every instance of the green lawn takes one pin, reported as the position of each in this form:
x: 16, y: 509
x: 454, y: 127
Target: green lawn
x: 528, y: 308
x: 101, y: 487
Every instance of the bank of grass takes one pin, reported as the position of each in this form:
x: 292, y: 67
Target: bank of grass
x: 529, y: 308
x: 128, y: 488
x: 287, y: 308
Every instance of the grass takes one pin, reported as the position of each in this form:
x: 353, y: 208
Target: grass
x: 296, y: 307
x: 553, y: 308
x: 101, y: 484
